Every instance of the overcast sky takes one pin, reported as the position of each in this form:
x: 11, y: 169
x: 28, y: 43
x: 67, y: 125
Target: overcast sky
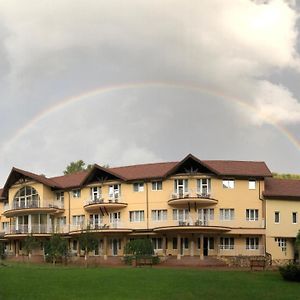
x: 219, y: 79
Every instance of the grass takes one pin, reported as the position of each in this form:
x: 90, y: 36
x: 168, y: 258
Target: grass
x: 18, y: 281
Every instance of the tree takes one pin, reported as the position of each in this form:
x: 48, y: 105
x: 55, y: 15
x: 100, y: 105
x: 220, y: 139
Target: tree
x: 286, y: 176
x: 87, y: 242
x: 56, y: 248
x: 2, y: 250
x: 297, y: 245
x: 30, y: 243
x: 139, y: 247
x: 75, y: 166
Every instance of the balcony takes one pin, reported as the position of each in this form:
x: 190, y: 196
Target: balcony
x: 108, y: 203
x: 192, y: 198
x: 33, y: 206
x: 113, y: 226
x: 28, y: 229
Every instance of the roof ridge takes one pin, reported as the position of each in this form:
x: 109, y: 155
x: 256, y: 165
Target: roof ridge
x: 146, y: 164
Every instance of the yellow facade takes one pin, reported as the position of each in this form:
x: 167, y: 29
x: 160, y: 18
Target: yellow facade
x: 227, y: 220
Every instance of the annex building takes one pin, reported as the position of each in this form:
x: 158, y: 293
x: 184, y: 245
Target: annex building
x: 193, y: 207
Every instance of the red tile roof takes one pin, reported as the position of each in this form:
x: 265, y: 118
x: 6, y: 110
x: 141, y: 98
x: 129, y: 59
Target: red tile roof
x: 239, y: 168
x: 281, y: 188
x: 70, y: 180
x: 144, y: 171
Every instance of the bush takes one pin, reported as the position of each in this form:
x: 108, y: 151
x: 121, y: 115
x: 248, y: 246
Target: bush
x: 290, y: 272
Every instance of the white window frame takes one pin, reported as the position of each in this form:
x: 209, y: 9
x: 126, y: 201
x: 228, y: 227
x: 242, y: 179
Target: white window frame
x: 228, y: 184
x: 252, y: 243
x: 156, y: 185
x: 275, y: 217
x: 226, y: 243
x: 204, y: 186
x: 181, y: 186
x: 181, y: 215
x: 252, y: 184
x: 252, y: 214
x: 138, y: 186
x: 95, y: 220
x: 137, y: 216
x: 157, y: 243
x: 281, y: 243
x: 95, y: 193
x: 114, y: 191
x: 76, y: 193
x: 227, y: 214
x: 205, y: 215
x: 78, y: 220
x: 295, y: 214
x: 159, y: 215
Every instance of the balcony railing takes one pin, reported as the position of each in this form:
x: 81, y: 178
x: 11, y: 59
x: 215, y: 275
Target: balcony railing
x: 100, y: 226
x: 28, y: 229
x: 34, y: 204
x: 104, y: 199
x: 191, y: 194
x: 237, y: 250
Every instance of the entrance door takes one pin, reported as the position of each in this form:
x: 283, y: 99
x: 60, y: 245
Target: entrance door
x: 115, y: 246
x: 205, y: 246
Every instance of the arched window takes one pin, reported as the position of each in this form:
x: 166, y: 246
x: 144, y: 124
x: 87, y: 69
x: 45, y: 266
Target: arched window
x: 26, y: 197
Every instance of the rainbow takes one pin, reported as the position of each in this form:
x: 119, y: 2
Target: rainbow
x: 62, y: 104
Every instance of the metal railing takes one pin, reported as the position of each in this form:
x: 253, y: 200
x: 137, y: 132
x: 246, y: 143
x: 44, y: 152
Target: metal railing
x: 110, y: 198
x: 234, y: 250
x: 191, y: 194
x: 28, y: 228
x: 34, y: 204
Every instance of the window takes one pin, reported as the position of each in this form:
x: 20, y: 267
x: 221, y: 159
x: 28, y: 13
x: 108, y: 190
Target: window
x: 174, y: 243
x: 61, y: 221
x: 277, y: 217
x: 159, y: 215
x: 115, y: 217
x: 252, y: 214
x: 203, y: 187
x: 180, y: 214
x: 26, y: 197
x: 78, y: 220
x: 294, y: 217
x: 114, y: 192
x: 157, y: 243
x: 228, y: 184
x: 252, y: 184
x: 226, y: 243
x: 5, y: 226
x: 181, y: 187
x: 156, y: 185
x: 211, y: 243
x: 95, y: 220
x: 205, y: 215
x: 136, y: 216
x: 185, y: 242
x: 252, y: 243
x: 281, y: 243
x: 95, y: 193
x: 226, y: 214
x: 76, y: 193
x: 60, y: 196
x: 74, y: 245
x: 138, y: 187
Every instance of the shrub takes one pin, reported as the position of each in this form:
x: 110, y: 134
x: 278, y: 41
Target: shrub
x: 290, y: 272
x: 139, y: 247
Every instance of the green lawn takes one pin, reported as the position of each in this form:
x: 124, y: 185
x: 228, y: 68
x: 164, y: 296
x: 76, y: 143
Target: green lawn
x: 47, y: 282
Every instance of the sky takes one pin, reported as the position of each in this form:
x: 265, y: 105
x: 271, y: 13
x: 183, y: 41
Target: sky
x: 127, y: 82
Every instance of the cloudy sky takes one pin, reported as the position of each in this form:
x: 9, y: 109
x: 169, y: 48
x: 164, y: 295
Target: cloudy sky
x: 123, y: 82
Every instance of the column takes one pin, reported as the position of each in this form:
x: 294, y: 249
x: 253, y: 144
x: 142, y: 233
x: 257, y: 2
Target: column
x: 178, y: 246
x: 78, y: 248
x: 105, y: 247
x: 201, y: 246
x: 17, y: 248
x: 164, y: 245
x: 124, y: 244
x: 217, y: 244
x: 29, y: 224
x: 192, y: 249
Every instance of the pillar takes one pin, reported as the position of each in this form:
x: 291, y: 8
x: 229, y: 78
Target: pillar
x: 217, y: 245
x: 124, y: 244
x: 17, y: 248
x: 164, y: 245
x: 105, y: 247
x: 201, y: 247
x: 192, y: 249
x: 178, y: 246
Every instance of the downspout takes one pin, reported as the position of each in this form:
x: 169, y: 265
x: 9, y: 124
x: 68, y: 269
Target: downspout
x: 147, y: 204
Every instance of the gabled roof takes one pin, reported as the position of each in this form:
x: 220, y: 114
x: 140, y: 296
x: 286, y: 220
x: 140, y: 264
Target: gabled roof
x: 69, y: 180
x: 144, y: 171
x: 1, y: 191
x: 239, y: 168
x: 281, y: 188
x: 16, y: 174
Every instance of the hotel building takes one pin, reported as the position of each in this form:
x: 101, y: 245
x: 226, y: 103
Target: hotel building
x: 211, y: 208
